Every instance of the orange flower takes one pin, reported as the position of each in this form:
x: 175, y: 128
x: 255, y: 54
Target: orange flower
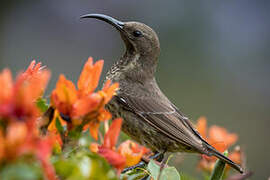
x: 111, y: 136
x: 18, y: 98
x: 109, y: 91
x: 89, y: 78
x: 132, y: 151
x: 107, y: 149
x: 113, y: 158
x: 64, y: 95
x: 127, y: 154
x: 5, y: 81
x: 219, y: 138
x: 72, y: 102
x: 83, y: 103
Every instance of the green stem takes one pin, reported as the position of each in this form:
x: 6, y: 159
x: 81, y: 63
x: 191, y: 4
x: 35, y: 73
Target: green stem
x: 218, y: 171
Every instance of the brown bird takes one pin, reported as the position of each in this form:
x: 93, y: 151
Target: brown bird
x: 149, y: 116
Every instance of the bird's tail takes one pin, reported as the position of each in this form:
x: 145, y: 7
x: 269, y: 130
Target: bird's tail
x: 212, y: 151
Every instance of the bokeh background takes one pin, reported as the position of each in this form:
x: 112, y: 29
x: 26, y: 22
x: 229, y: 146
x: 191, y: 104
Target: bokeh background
x: 215, y: 56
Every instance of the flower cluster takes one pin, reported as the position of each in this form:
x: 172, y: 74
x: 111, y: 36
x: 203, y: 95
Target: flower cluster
x: 19, y: 114
x: 220, y: 139
x: 83, y: 106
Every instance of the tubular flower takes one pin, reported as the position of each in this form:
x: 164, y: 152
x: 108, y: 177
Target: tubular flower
x: 127, y: 154
x: 82, y: 104
x: 220, y: 139
x: 108, y: 149
x: 17, y: 99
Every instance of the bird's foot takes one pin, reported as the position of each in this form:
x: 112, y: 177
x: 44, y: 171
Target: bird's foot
x: 139, y: 165
x: 157, y: 156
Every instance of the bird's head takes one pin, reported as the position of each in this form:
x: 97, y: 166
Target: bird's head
x: 139, y: 38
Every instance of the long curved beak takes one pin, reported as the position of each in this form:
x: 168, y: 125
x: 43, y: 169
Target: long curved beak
x: 117, y: 24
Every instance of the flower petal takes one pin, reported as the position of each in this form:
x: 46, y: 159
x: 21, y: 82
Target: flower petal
x: 43, y: 152
x: 93, y: 129
x: 89, y: 78
x: 111, y: 136
x: 94, y: 147
x: 114, y: 158
x: 85, y: 105
x: 32, y: 69
x: 6, y: 81
x: 110, y: 90
x: 64, y: 95
x: 202, y: 126
x: 220, y: 135
x: 104, y: 115
x: 131, y: 151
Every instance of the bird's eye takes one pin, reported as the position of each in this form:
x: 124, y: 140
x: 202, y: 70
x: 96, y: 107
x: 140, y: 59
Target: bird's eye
x: 137, y: 33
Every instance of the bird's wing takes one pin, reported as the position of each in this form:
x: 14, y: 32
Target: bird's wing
x: 167, y: 119
x: 164, y: 116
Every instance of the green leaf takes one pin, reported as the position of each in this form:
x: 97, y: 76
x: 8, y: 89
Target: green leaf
x: 59, y: 126
x: 42, y: 104
x: 21, y: 171
x: 154, y: 169
x: 168, y: 173
x: 217, y: 173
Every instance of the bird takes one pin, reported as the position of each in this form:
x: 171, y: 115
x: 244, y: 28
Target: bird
x: 149, y: 117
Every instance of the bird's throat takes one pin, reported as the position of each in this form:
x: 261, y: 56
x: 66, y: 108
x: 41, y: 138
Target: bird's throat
x: 130, y: 67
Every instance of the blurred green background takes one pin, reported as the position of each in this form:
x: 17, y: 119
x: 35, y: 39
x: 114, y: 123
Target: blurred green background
x: 215, y: 56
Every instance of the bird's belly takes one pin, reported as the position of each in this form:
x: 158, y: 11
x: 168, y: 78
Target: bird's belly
x: 142, y: 132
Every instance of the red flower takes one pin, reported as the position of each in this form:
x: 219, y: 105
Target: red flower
x: 127, y: 154
x: 107, y: 149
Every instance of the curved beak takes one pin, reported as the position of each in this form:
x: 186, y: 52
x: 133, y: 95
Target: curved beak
x: 117, y: 24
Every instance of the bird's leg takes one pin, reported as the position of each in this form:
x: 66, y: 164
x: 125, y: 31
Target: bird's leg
x: 139, y: 165
x: 157, y: 156
x: 162, y: 165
